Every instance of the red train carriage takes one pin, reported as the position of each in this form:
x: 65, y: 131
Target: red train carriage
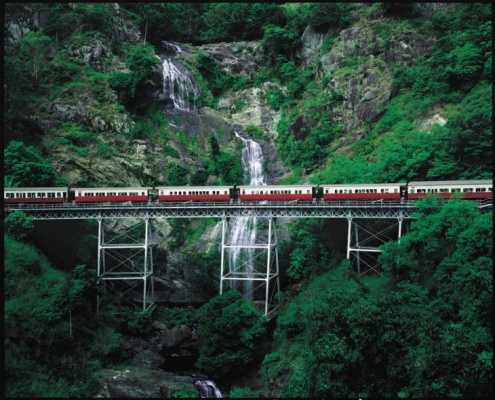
x: 276, y: 192
x: 194, y: 193
x: 377, y: 191
x: 101, y: 195
x: 473, y: 189
x: 35, y: 195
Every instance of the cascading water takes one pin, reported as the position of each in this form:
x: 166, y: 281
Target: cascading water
x: 244, y: 228
x: 208, y: 390
x: 177, y: 83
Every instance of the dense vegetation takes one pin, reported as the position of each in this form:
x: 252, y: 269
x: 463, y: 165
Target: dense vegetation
x: 421, y: 329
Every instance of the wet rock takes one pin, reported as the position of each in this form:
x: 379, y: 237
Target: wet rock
x: 140, y: 383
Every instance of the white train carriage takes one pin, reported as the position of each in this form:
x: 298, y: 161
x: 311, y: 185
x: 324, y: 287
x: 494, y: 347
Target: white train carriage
x: 35, y: 195
x: 114, y: 194
x: 276, y: 192
x: 193, y: 193
x: 363, y: 191
x: 472, y: 189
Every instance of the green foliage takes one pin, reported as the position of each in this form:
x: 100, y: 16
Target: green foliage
x: 38, y: 303
x: 281, y: 40
x: 33, y: 54
x: 330, y: 15
x: 237, y: 21
x: 137, y: 322
x: 229, y: 168
x: 173, y: 316
x: 176, y: 175
x: 215, y: 148
x: 19, y: 225
x: 255, y: 132
x: 452, y: 253
x: 27, y: 168
x: 95, y: 17
x: 132, y: 86
x: 243, y: 393
x: 219, y: 82
x: 231, y: 333
x: 178, y: 232
x: 185, y: 394
x: 106, y: 151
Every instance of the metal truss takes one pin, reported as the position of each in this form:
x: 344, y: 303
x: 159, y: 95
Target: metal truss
x: 125, y: 266
x: 365, y: 250
x: 383, y: 209
x: 123, y: 280
x: 256, y: 274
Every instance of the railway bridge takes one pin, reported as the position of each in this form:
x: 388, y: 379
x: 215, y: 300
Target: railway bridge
x: 135, y: 280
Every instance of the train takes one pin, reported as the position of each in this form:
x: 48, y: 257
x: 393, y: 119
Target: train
x: 469, y: 189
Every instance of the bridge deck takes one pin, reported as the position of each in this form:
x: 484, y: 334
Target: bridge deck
x: 278, y: 209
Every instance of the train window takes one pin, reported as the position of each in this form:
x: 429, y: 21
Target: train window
x: 133, y: 193
x: 444, y: 190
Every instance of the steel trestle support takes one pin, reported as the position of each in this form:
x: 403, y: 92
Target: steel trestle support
x: 125, y: 266
x: 365, y: 246
x: 262, y: 283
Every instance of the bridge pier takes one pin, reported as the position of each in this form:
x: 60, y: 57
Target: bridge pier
x: 369, y: 245
x: 261, y: 283
x: 125, y: 266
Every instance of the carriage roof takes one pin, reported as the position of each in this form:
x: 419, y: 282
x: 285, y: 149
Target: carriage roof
x: 361, y: 184
x: 35, y: 189
x: 106, y: 189
x: 437, y: 183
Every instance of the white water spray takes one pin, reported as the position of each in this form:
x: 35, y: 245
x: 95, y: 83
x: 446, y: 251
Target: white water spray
x: 178, y: 84
x: 208, y: 389
x: 244, y: 228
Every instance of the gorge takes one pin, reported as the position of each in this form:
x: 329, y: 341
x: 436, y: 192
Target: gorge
x: 176, y: 94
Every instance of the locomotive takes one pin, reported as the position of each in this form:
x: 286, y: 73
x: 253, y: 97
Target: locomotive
x: 469, y: 189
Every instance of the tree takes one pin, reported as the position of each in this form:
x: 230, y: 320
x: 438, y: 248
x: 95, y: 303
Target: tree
x: 447, y: 257
x: 132, y: 86
x: 19, y: 225
x: 243, y: 393
x: 33, y: 54
x: 231, y: 335
x: 24, y: 166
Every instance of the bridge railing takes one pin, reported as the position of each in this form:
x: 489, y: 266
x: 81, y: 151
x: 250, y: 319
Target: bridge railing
x: 210, y: 204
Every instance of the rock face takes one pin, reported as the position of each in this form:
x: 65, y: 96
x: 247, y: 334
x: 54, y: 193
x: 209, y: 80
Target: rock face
x: 365, y: 87
x: 241, y: 58
x: 141, y: 383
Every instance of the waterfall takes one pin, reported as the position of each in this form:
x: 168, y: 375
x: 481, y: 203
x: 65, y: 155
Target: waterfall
x: 178, y: 84
x: 208, y: 390
x: 244, y: 228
